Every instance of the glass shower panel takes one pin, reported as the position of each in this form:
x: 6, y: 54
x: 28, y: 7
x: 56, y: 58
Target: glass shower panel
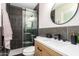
x: 30, y: 27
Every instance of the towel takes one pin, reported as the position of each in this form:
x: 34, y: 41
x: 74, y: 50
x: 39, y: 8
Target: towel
x: 7, y: 30
x: 0, y: 14
x: 7, y: 44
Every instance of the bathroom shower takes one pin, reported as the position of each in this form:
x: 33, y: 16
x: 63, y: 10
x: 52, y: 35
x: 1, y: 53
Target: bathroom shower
x: 23, y: 22
x: 29, y: 27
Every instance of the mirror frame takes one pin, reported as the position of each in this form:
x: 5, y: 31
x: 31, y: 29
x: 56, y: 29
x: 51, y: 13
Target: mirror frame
x: 66, y: 21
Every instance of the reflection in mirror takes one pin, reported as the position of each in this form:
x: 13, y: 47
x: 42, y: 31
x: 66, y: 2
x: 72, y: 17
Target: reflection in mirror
x: 63, y: 12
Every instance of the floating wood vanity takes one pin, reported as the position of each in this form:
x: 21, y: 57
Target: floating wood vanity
x: 42, y: 50
x: 51, y: 47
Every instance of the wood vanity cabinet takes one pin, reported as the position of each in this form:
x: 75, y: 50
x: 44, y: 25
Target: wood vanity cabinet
x: 42, y: 50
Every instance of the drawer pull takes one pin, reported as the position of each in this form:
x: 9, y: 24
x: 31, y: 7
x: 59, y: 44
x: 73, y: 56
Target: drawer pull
x: 39, y: 49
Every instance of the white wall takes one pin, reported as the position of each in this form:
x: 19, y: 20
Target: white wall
x: 45, y: 20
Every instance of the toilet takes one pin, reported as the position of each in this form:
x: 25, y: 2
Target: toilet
x: 29, y: 51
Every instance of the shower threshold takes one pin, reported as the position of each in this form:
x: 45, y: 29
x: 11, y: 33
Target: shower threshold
x: 28, y: 42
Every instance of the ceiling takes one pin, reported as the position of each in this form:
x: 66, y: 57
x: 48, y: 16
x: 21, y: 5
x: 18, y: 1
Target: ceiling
x: 25, y: 5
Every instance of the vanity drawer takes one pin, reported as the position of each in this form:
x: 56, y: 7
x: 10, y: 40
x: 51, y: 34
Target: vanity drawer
x: 42, y: 50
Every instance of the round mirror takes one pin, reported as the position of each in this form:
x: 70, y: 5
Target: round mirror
x: 62, y: 13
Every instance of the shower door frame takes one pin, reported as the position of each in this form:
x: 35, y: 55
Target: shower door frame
x: 23, y: 24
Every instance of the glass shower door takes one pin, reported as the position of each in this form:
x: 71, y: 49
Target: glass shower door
x: 30, y: 27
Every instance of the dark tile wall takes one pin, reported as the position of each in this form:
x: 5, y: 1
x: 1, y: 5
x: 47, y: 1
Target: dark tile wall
x: 74, y: 29
x: 0, y: 43
x: 0, y: 37
x: 64, y: 31
x: 15, y: 15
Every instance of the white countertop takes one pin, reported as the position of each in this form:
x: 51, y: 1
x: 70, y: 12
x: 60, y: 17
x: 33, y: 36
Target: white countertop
x: 64, y: 48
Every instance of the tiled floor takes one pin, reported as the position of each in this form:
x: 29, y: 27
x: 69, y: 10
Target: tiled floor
x: 4, y: 52
x: 16, y: 52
